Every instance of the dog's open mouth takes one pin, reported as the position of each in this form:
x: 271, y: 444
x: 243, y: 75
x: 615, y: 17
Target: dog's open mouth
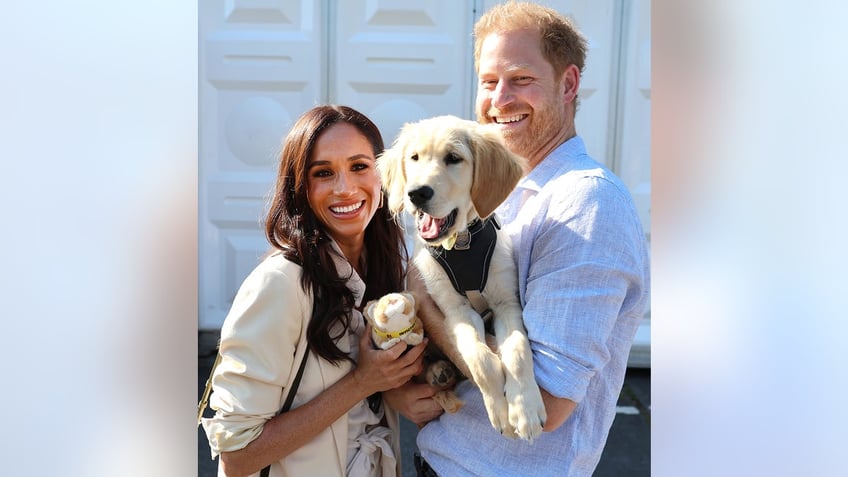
x: 431, y: 228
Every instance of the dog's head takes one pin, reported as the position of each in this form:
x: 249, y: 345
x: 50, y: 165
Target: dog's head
x: 446, y: 172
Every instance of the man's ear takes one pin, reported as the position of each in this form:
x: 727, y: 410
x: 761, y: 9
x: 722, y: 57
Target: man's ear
x: 571, y: 83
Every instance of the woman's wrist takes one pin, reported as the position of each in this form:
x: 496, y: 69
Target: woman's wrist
x: 358, y: 385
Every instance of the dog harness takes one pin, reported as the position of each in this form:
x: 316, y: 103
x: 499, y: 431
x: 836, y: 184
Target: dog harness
x: 467, y: 263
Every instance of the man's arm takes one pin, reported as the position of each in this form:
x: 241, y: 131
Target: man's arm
x: 558, y: 409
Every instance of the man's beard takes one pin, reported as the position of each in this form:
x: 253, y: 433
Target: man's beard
x: 544, y: 124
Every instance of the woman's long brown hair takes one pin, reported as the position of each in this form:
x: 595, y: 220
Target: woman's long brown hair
x: 292, y: 227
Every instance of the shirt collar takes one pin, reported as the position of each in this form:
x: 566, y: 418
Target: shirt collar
x: 560, y: 158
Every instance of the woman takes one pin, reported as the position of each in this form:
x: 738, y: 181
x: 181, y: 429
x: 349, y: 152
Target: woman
x: 335, y: 248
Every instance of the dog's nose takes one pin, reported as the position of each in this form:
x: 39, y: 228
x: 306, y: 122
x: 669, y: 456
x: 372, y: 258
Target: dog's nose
x: 421, y: 195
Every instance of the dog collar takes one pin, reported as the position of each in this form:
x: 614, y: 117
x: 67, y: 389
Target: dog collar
x: 393, y: 334
x: 467, y: 263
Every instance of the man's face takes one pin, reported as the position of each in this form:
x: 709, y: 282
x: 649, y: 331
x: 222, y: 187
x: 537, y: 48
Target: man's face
x: 518, y: 91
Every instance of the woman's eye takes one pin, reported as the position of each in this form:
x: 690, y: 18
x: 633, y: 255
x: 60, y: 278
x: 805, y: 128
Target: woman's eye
x: 359, y: 167
x: 322, y: 173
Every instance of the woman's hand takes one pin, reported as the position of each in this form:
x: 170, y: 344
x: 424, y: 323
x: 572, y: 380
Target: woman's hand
x: 415, y: 402
x: 381, y: 370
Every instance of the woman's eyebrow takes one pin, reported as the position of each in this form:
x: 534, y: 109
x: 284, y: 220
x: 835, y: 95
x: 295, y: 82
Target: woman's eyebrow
x: 349, y: 159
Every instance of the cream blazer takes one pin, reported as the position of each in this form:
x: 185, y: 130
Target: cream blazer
x: 262, y: 343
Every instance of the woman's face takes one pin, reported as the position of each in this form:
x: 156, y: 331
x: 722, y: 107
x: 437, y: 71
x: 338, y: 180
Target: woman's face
x: 343, y: 186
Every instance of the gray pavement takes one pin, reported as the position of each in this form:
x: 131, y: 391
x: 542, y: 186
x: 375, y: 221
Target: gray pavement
x: 628, y: 450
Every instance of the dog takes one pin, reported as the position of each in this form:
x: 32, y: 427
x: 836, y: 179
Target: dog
x: 450, y: 174
x: 393, y: 319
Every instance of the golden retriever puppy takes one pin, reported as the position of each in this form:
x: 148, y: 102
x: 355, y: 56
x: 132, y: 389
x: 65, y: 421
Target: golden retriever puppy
x: 450, y: 174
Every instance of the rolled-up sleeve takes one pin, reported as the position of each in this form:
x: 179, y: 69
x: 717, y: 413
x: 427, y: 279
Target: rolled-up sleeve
x: 258, y: 342
x: 586, y: 261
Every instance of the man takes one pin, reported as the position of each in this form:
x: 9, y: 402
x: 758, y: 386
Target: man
x: 581, y: 258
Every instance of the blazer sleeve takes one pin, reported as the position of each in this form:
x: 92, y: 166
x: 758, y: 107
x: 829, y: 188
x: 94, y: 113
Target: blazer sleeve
x: 258, y: 344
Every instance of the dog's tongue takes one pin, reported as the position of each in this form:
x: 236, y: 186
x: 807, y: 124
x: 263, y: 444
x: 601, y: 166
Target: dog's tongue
x: 428, y: 226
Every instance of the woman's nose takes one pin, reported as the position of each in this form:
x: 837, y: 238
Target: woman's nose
x: 342, y: 184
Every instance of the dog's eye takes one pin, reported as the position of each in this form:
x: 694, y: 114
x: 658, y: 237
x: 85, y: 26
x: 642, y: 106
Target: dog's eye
x: 452, y: 159
x: 414, y: 157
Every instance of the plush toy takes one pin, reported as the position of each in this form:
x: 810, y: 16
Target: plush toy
x: 394, y: 318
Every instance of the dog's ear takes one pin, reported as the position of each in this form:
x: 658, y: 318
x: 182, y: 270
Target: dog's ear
x: 496, y: 170
x: 392, y: 174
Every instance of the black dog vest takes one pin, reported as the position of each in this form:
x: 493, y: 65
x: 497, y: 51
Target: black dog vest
x: 467, y: 263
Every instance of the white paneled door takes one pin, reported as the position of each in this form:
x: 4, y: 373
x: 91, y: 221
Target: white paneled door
x: 257, y: 73
x: 264, y: 62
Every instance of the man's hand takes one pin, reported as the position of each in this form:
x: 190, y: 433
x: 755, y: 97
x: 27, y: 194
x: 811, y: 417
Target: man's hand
x: 415, y: 402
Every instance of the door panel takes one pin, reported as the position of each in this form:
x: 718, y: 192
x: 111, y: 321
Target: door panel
x: 401, y: 61
x: 257, y: 73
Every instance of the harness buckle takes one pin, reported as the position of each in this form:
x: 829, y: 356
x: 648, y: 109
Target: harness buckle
x: 463, y: 240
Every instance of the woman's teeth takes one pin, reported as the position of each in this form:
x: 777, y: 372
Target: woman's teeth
x: 346, y: 209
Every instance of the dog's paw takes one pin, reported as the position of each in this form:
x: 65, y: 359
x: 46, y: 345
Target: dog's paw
x: 449, y: 401
x: 441, y: 374
x: 498, y: 411
x: 527, y: 413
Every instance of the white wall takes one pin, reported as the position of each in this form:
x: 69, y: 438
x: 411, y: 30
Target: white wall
x: 262, y: 63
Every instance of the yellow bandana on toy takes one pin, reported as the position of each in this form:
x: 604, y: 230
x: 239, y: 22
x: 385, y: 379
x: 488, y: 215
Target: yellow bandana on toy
x: 393, y: 334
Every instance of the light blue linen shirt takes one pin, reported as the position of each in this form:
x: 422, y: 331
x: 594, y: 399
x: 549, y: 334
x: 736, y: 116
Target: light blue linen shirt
x: 583, y: 283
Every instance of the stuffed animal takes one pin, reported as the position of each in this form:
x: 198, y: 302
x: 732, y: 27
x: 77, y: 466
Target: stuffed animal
x: 394, y: 318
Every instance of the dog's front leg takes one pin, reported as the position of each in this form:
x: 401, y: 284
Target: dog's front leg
x: 526, y: 408
x: 484, y: 365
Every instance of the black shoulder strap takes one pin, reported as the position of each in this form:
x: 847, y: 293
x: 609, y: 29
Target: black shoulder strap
x: 289, y: 399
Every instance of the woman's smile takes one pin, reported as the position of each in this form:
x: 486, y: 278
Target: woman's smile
x: 347, y: 209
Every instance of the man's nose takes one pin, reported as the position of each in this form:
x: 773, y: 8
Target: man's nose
x: 501, y: 95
